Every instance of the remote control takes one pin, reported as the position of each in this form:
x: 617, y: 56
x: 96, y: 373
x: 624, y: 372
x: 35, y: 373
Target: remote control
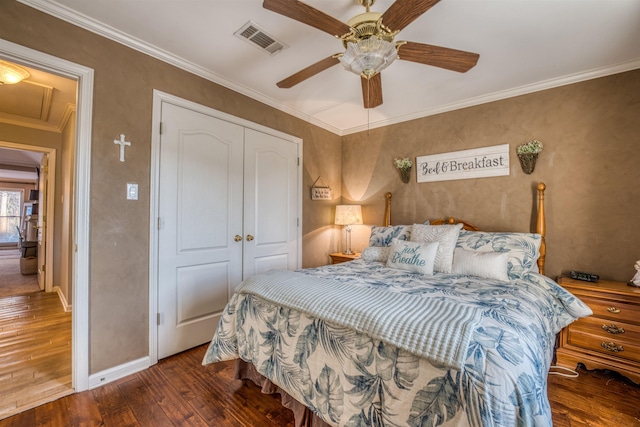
x: 587, y: 277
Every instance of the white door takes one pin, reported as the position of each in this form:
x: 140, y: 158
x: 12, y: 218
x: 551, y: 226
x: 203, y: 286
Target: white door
x: 271, y: 203
x: 200, y: 209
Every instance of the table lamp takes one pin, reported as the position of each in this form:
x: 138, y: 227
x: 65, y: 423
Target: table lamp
x: 348, y: 215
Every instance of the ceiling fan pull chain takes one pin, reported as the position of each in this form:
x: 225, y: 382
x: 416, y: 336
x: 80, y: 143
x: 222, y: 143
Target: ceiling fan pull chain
x: 368, y: 101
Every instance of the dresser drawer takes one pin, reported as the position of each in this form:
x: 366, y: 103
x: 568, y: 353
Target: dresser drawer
x: 619, y: 346
x: 607, y: 329
x: 613, y: 310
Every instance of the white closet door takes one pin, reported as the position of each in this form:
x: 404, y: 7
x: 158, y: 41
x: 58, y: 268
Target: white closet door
x: 270, y: 203
x: 200, y: 205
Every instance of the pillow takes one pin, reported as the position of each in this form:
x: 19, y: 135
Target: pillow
x: 382, y: 236
x: 490, y: 265
x: 412, y: 256
x: 523, y: 248
x: 376, y: 253
x: 445, y: 235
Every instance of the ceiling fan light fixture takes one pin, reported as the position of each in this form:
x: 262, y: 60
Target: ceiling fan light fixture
x: 369, y: 56
x: 11, y: 73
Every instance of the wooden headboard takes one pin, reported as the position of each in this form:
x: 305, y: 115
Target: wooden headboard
x: 541, y: 225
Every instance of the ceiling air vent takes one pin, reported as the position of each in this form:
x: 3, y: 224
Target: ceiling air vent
x: 257, y: 37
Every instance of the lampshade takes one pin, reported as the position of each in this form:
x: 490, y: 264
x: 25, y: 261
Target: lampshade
x: 348, y: 214
x: 11, y: 73
x: 369, y: 56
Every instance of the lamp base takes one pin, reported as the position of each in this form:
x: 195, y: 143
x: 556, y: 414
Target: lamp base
x: 348, y: 252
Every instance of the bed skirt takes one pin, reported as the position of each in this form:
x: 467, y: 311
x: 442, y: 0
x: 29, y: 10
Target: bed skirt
x: 303, y: 416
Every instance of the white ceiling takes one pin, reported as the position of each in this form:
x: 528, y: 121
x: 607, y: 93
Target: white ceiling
x: 524, y: 46
x: 19, y: 165
x: 42, y: 101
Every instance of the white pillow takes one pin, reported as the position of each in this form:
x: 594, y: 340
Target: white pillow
x: 412, y: 256
x: 376, y: 253
x: 445, y: 235
x: 523, y: 248
x: 490, y: 265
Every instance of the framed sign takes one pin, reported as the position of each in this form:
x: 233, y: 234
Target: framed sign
x: 320, y: 192
x: 476, y: 163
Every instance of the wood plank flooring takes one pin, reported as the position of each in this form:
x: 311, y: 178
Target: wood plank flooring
x: 35, y: 351
x: 178, y: 391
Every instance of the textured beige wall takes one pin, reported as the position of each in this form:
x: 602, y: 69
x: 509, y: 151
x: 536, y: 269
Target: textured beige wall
x: 123, y: 92
x: 63, y: 247
x: 590, y: 163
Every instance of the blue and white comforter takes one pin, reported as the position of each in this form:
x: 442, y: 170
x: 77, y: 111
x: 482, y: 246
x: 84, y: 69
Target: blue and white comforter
x: 350, y: 379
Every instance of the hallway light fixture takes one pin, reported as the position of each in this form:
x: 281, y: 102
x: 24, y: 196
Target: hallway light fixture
x: 11, y: 73
x: 348, y: 215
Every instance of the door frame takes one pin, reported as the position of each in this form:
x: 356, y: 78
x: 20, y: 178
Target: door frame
x: 49, y: 205
x: 82, y: 193
x: 158, y: 98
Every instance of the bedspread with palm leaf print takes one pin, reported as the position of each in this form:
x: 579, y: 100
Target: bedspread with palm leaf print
x: 350, y: 379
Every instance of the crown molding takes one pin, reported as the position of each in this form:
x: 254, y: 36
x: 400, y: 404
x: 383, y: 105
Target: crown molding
x: 69, y: 109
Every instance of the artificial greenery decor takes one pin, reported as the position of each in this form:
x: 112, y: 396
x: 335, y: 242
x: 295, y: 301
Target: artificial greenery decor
x: 404, y: 166
x: 530, y: 147
x: 528, y: 154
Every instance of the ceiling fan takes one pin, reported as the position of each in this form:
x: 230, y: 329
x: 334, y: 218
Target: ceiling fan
x: 368, y: 41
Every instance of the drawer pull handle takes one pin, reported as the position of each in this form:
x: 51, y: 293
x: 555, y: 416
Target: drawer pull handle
x: 613, y: 310
x: 612, y: 347
x: 613, y: 329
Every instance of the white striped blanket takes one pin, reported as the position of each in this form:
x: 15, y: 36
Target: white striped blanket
x: 431, y: 328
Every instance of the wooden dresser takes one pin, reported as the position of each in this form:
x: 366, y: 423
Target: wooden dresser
x: 610, y: 339
x: 339, y: 257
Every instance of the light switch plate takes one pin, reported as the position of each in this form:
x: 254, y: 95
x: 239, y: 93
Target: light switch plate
x: 132, y: 191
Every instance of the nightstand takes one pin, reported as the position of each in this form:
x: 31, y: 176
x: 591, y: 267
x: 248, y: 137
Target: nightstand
x: 610, y: 338
x: 339, y: 257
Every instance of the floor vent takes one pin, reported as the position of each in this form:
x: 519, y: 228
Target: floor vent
x: 257, y: 37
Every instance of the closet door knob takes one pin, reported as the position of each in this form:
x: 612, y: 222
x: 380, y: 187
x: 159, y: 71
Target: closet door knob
x: 249, y: 237
x: 238, y: 238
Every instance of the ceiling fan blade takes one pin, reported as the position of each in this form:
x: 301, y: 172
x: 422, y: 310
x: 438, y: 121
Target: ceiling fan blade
x: 437, y: 56
x: 306, y: 14
x: 372, y: 91
x: 404, y: 12
x: 310, y: 71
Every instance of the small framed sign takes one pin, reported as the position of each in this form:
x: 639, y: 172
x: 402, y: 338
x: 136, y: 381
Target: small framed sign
x: 476, y: 163
x: 320, y: 192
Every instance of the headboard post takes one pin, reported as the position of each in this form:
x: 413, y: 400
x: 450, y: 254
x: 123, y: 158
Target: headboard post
x: 541, y: 227
x: 387, y: 210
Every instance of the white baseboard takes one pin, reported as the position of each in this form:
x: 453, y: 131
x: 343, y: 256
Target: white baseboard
x: 117, y: 372
x: 63, y: 299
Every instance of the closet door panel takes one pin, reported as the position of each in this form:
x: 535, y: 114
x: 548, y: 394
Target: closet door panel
x: 200, y: 209
x: 270, y: 207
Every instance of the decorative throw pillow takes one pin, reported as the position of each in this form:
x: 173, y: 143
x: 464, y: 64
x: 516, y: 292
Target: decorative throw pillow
x: 523, y: 248
x: 376, y: 253
x: 490, y: 265
x: 412, y: 256
x: 445, y: 235
x: 382, y: 236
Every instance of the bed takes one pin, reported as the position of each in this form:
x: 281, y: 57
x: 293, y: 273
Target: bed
x: 438, y: 324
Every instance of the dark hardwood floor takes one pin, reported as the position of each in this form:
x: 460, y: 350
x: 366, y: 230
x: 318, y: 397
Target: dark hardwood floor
x: 178, y: 391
